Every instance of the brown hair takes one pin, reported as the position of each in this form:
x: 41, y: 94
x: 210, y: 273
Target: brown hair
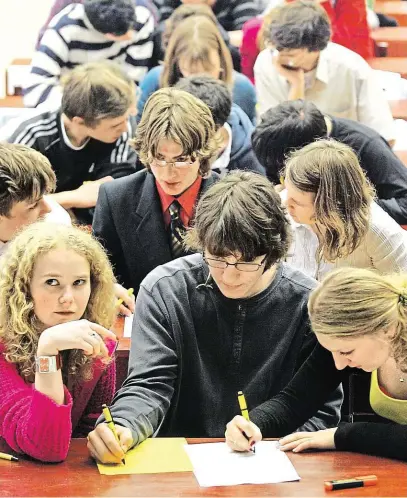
x: 193, y: 39
x: 25, y: 175
x: 182, y: 12
x: 353, y: 302
x: 343, y: 195
x: 241, y: 213
x: 96, y: 91
x: 176, y: 115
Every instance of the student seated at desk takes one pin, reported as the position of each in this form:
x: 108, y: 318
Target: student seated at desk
x: 26, y: 177
x: 87, y: 138
x: 141, y: 219
x: 56, y: 365
x: 335, y: 219
x: 89, y: 31
x: 207, y: 325
x: 360, y: 320
x: 300, y: 62
x: 196, y: 47
x: 295, y: 123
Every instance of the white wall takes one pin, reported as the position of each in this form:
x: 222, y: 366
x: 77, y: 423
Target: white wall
x: 20, y: 22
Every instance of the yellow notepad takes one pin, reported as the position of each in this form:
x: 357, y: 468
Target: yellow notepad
x: 152, y: 456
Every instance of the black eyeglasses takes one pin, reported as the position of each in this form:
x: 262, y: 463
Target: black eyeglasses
x: 222, y: 264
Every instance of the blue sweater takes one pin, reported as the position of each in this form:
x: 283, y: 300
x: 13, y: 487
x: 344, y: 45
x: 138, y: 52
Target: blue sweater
x: 244, y: 93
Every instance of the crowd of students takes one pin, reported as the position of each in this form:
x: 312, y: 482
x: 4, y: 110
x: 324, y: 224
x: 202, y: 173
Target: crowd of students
x: 222, y: 203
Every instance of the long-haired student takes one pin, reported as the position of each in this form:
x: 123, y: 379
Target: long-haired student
x: 360, y: 320
x: 56, y: 367
x: 336, y: 221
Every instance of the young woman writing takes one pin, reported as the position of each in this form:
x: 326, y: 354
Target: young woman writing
x: 360, y: 320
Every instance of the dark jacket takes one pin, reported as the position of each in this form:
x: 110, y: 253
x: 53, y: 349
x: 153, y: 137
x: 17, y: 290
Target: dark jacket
x: 242, y: 155
x: 129, y: 223
x: 193, y: 349
x: 383, y: 168
x: 305, y: 393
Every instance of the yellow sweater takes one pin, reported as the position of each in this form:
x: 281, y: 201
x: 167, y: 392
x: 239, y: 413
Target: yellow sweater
x: 383, y: 405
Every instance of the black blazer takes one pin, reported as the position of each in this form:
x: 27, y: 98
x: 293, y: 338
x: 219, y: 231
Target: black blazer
x: 129, y: 223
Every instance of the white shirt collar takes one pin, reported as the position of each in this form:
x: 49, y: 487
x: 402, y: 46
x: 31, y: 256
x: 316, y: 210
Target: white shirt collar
x: 66, y: 138
x: 222, y: 162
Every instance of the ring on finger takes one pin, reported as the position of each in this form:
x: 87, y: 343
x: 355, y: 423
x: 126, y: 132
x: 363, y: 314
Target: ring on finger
x: 94, y: 334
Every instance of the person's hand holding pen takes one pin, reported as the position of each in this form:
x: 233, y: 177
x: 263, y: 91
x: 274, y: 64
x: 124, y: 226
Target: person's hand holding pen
x: 125, y: 300
x: 241, y: 434
x: 103, y: 445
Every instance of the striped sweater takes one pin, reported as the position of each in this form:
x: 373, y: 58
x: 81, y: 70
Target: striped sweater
x: 71, y: 40
x: 72, y: 165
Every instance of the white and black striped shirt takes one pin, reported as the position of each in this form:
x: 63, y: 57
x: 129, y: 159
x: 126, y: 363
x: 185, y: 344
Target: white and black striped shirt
x: 231, y: 14
x: 71, y: 40
x: 45, y: 132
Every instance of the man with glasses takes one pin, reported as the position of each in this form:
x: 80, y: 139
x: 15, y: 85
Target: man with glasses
x: 232, y: 317
x: 141, y: 219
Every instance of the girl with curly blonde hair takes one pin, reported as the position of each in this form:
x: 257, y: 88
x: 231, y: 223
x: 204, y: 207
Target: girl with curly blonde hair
x: 360, y: 320
x: 56, y: 366
x: 335, y: 219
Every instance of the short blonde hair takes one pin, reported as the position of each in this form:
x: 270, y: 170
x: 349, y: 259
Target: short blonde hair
x: 25, y: 175
x: 351, y: 302
x: 176, y: 115
x: 96, y: 91
x: 343, y: 195
x: 192, y: 40
x: 19, y: 327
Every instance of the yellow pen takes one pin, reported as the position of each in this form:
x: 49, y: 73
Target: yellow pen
x: 129, y: 292
x: 245, y: 412
x: 4, y: 456
x: 110, y: 424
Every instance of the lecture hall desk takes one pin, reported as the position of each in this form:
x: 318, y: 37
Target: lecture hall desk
x: 78, y: 476
x: 396, y: 39
x: 395, y: 9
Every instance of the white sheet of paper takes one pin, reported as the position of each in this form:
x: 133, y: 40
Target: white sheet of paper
x: 215, y: 464
x: 128, y: 325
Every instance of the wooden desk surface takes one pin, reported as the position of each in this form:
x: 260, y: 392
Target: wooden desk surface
x: 398, y: 108
x: 78, y: 476
x: 393, y: 64
x: 396, y: 39
x: 124, y: 342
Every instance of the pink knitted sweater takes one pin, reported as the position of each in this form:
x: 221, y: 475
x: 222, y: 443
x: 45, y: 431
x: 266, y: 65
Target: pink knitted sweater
x: 32, y: 423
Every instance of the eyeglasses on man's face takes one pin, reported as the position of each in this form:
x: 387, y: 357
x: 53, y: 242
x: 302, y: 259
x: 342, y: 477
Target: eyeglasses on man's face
x: 161, y: 163
x: 241, y: 266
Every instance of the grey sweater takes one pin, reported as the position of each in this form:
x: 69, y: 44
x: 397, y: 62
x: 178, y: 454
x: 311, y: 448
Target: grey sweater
x: 193, y: 349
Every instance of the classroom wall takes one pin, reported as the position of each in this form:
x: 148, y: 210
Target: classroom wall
x: 20, y: 21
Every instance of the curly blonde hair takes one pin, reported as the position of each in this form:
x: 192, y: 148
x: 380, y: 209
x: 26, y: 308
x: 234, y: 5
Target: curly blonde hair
x: 343, y: 195
x: 176, y: 115
x: 19, y: 327
x: 353, y: 302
